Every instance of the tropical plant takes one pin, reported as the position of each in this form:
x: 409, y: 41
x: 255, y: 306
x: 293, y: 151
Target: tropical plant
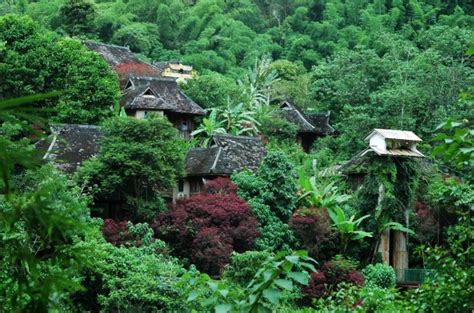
x: 209, y: 126
x: 237, y: 120
x: 277, y: 275
x: 347, y: 227
x: 318, y: 192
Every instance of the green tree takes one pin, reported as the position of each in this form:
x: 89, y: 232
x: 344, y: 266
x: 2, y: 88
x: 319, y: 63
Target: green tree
x: 139, y: 162
x: 78, y: 16
x: 36, y: 61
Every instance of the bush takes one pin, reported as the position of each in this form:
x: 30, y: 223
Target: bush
x: 311, y: 227
x: 271, y: 193
x: 330, y: 277
x: 127, y: 234
x: 243, y: 266
x: 380, y: 275
x: 130, y: 279
x: 206, y: 228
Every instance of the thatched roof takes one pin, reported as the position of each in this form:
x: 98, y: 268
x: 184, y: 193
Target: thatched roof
x: 227, y: 154
x: 151, y: 93
x: 316, y: 123
x: 70, y: 145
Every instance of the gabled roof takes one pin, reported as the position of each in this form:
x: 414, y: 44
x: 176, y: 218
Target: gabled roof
x: 167, y: 96
x: 123, y: 61
x: 71, y: 145
x: 316, y: 123
x: 404, y: 135
x: 227, y: 154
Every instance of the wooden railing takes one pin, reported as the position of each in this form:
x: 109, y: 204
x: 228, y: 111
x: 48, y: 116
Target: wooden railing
x: 413, y: 275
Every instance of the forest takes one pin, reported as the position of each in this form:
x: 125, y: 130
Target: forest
x: 315, y: 156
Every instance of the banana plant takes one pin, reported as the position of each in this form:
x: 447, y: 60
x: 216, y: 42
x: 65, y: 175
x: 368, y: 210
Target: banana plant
x: 209, y: 126
x: 238, y: 120
x: 348, y: 228
x: 319, y: 193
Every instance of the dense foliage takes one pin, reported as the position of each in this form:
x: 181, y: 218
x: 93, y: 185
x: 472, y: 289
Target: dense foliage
x: 139, y: 161
x: 34, y: 60
x: 398, y: 64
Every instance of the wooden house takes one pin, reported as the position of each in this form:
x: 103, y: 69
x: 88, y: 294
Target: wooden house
x: 225, y: 155
x: 144, y: 95
x: 310, y: 125
x: 123, y: 61
x: 149, y: 89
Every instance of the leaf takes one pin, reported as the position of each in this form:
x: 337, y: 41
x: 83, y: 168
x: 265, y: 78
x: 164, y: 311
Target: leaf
x: 193, y: 295
x: 272, y: 295
x: 294, y: 259
x: 300, y: 277
x: 223, y: 308
x: 284, y: 283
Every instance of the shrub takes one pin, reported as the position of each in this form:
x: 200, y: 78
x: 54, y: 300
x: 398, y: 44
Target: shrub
x: 271, y: 193
x: 311, y: 227
x: 243, y: 266
x: 206, y: 228
x: 331, y: 276
x: 126, y: 233
x: 379, y: 275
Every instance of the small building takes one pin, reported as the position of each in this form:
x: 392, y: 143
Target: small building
x: 70, y: 145
x: 310, y: 125
x: 123, y: 61
x: 145, y: 95
x: 175, y: 69
x: 389, y: 142
x: 225, y: 155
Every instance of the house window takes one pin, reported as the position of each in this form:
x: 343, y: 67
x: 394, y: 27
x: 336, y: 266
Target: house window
x: 194, y: 187
x: 180, y: 185
x: 149, y: 94
x: 184, y: 125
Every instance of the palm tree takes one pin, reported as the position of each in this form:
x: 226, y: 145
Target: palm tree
x: 209, y: 126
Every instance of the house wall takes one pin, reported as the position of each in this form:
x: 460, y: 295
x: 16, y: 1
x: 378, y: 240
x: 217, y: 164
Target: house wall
x: 183, y: 122
x: 378, y: 141
x: 191, y: 186
x: 141, y: 114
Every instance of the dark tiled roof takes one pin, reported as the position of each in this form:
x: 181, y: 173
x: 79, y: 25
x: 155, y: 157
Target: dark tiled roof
x: 317, y: 123
x: 123, y: 61
x: 167, y: 96
x: 227, y: 154
x: 71, y: 145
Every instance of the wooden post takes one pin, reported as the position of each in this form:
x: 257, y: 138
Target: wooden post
x: 384, y: 240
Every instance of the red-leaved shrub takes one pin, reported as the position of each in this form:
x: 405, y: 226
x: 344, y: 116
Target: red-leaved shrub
x: 311, y: 227
x: 329, y: 276
x: 222, y: 185
x: 115, y: 233
x: 206, y: 228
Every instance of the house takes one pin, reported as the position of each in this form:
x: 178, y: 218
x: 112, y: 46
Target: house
x: 175, y: 70
x: 225, y: 155
x: 70, y: 145
x: 310, y: 125
x: 123, y: 61
x: 144, y: 95
x: 389, y: 142
x: 148, y: 88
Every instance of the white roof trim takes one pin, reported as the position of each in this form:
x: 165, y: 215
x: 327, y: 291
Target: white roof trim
x: 405, y: 135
